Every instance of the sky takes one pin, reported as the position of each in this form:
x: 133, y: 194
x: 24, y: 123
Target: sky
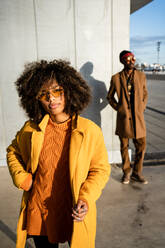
x: 147, y: 27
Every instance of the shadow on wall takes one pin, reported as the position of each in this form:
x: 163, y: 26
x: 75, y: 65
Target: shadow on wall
x: 99, y: 94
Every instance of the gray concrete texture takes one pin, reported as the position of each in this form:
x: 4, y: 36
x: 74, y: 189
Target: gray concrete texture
x: 79, y: 31
x: 128, y: 215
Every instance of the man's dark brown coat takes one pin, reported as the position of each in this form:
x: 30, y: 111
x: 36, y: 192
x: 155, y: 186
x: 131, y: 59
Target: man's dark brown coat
x: 124, y: 122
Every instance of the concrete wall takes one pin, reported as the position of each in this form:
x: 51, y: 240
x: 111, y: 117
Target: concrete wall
x: 89, y: 33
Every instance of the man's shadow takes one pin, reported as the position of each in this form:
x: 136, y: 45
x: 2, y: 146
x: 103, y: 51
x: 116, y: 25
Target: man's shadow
x: 99, y: 94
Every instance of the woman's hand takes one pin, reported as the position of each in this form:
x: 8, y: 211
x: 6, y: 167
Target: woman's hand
x: 79, y: 211
x: 27, y: 184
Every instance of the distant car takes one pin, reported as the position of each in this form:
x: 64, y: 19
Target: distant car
x: 156, y: 70
x: 148, y: 69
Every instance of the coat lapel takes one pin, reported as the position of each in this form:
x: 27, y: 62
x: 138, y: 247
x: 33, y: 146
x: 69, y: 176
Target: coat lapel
x: 123, y: 83
x: 136, y: 89
x: 135, y: 81
x: 36, y: 143
x: 75, y: 147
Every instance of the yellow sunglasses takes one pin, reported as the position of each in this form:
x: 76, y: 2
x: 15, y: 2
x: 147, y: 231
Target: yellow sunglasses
x: 45, y: 94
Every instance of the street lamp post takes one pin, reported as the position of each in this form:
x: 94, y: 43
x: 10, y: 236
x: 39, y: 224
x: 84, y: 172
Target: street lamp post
x: 158, y: 50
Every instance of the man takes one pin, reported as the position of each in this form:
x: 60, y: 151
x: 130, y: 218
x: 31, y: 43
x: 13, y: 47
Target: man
x: 130, y: 88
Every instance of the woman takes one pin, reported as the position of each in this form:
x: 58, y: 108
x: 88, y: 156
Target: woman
x: 58, y: 158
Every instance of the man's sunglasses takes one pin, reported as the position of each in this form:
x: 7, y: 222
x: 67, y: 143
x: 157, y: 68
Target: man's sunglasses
x: 129, y: 58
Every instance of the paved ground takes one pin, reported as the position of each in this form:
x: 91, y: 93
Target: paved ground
x: 155, y: 117
x: 128, y: 215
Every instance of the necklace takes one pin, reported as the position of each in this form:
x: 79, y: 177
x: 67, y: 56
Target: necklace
x: 129, y: 78
x: 60, y: 122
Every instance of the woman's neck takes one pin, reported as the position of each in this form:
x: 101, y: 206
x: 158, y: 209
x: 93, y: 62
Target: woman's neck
x: 60, y: 118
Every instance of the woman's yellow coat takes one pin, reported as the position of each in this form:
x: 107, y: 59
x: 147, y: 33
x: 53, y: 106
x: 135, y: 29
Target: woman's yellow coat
x: 89, y: 172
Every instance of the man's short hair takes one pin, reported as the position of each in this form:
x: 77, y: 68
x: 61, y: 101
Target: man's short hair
x: 123, y: 53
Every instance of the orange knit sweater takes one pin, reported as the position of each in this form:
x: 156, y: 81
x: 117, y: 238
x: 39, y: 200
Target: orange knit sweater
x: 50, y: 204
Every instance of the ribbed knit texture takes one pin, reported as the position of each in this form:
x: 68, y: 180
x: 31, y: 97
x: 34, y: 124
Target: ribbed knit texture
x: 50, y: 203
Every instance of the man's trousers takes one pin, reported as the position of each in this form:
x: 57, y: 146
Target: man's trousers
x: 140, y: 146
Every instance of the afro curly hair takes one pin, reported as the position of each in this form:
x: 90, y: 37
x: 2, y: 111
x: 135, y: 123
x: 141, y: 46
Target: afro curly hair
x: 76, y: 91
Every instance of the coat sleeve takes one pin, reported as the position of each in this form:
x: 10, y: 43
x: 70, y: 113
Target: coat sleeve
x: 111, y: 95
x: 98, y: 174
x: 145, y: 92
x: 16, y: 164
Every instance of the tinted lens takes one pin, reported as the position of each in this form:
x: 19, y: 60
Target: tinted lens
x: 41, y: 96
x: 128, y: 58
x: 54, y: 92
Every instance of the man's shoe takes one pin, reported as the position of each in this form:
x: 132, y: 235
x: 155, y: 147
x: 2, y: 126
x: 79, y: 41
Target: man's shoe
x: 138, y: 178
x: 125, y: 179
